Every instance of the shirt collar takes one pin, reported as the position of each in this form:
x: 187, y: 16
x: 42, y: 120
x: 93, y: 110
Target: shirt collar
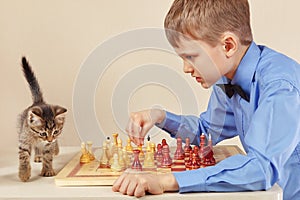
x: 245, y: 72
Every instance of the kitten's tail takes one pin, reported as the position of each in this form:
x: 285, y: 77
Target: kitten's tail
x: 35, y: 89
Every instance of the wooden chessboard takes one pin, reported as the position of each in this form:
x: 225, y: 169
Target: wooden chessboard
x: 76, y: 174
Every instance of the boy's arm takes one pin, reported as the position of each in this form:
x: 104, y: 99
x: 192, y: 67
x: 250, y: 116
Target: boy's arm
x: 270, y: 148
x: 218, y: 121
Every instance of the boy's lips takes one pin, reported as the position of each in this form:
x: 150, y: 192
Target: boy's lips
x: 199, y: 79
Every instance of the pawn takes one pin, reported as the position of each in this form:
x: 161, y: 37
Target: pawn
x: 188, y: 157
x: 90, y: 151
x: 141, y: 154
x: 195, y: 163
x: 104, y: 161
x: 128, y: 146
x: 179, y: 153
x: 84, y: 158
x: 158, y: 156
x: 136, y: 164
x: 115, y: 166
x: 149, y: 161
x: 197, y: 153
x: 166, y: 161
x: 121, y: 160
x: 187, y: 144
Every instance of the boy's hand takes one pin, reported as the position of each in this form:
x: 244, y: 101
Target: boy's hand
x: 141, y: 122
x: 137, y: 184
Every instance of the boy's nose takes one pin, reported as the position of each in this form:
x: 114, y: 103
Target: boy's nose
x: 187, y: 67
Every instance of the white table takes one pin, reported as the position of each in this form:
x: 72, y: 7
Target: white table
x: 44, y: 187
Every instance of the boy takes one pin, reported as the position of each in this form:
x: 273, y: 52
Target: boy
x: 256, y: 97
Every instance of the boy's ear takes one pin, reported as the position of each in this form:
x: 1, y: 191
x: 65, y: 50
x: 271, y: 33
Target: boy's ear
x: 230, y: 44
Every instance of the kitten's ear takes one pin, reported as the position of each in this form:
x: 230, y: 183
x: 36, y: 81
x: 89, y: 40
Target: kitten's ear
x: 34, y: 117
x: 60, y: 114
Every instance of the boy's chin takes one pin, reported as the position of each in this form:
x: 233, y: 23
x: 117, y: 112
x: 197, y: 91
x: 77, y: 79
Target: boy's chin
x: 205, y: 85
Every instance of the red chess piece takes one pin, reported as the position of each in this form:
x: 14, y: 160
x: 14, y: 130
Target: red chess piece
x: 196, y: 151
x: 195, y: 163
x: 187, y: 159
x: 158, y: 156
x: 166, y: 161
x: 179, y: 153
x: 187, y: 144
x: 163, y: 142
x: 202, y: 145
x: 206, y: 152
x: 136, y: 162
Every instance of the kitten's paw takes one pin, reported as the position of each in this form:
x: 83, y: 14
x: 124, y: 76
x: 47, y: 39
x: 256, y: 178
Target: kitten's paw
x: 24, y: 174
x: 37, y: 159
x: 48, y: 172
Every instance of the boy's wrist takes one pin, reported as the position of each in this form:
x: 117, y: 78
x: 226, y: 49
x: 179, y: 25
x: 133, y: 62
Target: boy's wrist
x: 161, y: 115
x: 168, y: 182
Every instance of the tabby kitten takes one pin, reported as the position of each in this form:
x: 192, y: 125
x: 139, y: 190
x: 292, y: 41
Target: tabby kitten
x: 40, y: 125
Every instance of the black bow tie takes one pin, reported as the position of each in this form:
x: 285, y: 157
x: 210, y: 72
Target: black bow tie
x: 230, y: 89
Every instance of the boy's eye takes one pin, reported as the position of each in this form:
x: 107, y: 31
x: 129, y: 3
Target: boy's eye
x: 43, y: 134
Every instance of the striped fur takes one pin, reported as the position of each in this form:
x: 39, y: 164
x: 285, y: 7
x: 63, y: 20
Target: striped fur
x: 39, y: 127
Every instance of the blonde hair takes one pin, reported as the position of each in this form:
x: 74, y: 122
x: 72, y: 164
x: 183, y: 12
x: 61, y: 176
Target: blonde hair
x: 207, y: 20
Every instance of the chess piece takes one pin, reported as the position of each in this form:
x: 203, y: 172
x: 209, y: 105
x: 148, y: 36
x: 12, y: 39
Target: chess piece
x: 114, y: 148
x: 178, y: 161
x: 148, y: 145
x: 152, y: 148
x: 128, y: 146
x: 196, y: 152
x: 158, y: 156
x: 166, y: 160
x: 121, y: 160
x: 115, y: 166
x: 108, y: 150
x: 187, y: 150
x: 141, y: 154
x: 202, y: 144
x: 120, y: 147
x: 188, y: 162
x: 149, y: 164
x: 136, y: 164
x: 90, y: 151
x: 104, y: 162
x: 84, y: 158
x: 179, y: 153
x: 163, y: 142
x: 126, y: 157
x: 195, y: 162
x: 207, y: 154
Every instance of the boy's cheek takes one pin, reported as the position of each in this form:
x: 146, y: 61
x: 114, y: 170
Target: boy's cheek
x: 209, y: 72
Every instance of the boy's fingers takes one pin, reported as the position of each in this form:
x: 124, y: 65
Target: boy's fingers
x: 139, y: 191
x: 124, y: 186
x: 117, y: 184
x: 131, y: 188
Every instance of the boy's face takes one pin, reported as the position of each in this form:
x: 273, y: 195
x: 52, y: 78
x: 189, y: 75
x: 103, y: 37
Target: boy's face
x: 205, y: 63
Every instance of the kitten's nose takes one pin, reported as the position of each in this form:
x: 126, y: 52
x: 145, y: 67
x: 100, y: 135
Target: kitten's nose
x: 50, y: 138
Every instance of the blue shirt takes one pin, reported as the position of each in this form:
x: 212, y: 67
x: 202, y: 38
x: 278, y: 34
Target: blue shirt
x: 268, y: 127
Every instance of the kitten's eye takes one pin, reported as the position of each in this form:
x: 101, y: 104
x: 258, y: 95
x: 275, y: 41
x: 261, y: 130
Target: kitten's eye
x: 55, y: 132
x: 43, y: 134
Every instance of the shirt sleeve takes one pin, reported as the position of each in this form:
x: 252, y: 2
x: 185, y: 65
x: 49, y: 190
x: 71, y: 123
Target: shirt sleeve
x: 272, y: 137
x: 218, y: 121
